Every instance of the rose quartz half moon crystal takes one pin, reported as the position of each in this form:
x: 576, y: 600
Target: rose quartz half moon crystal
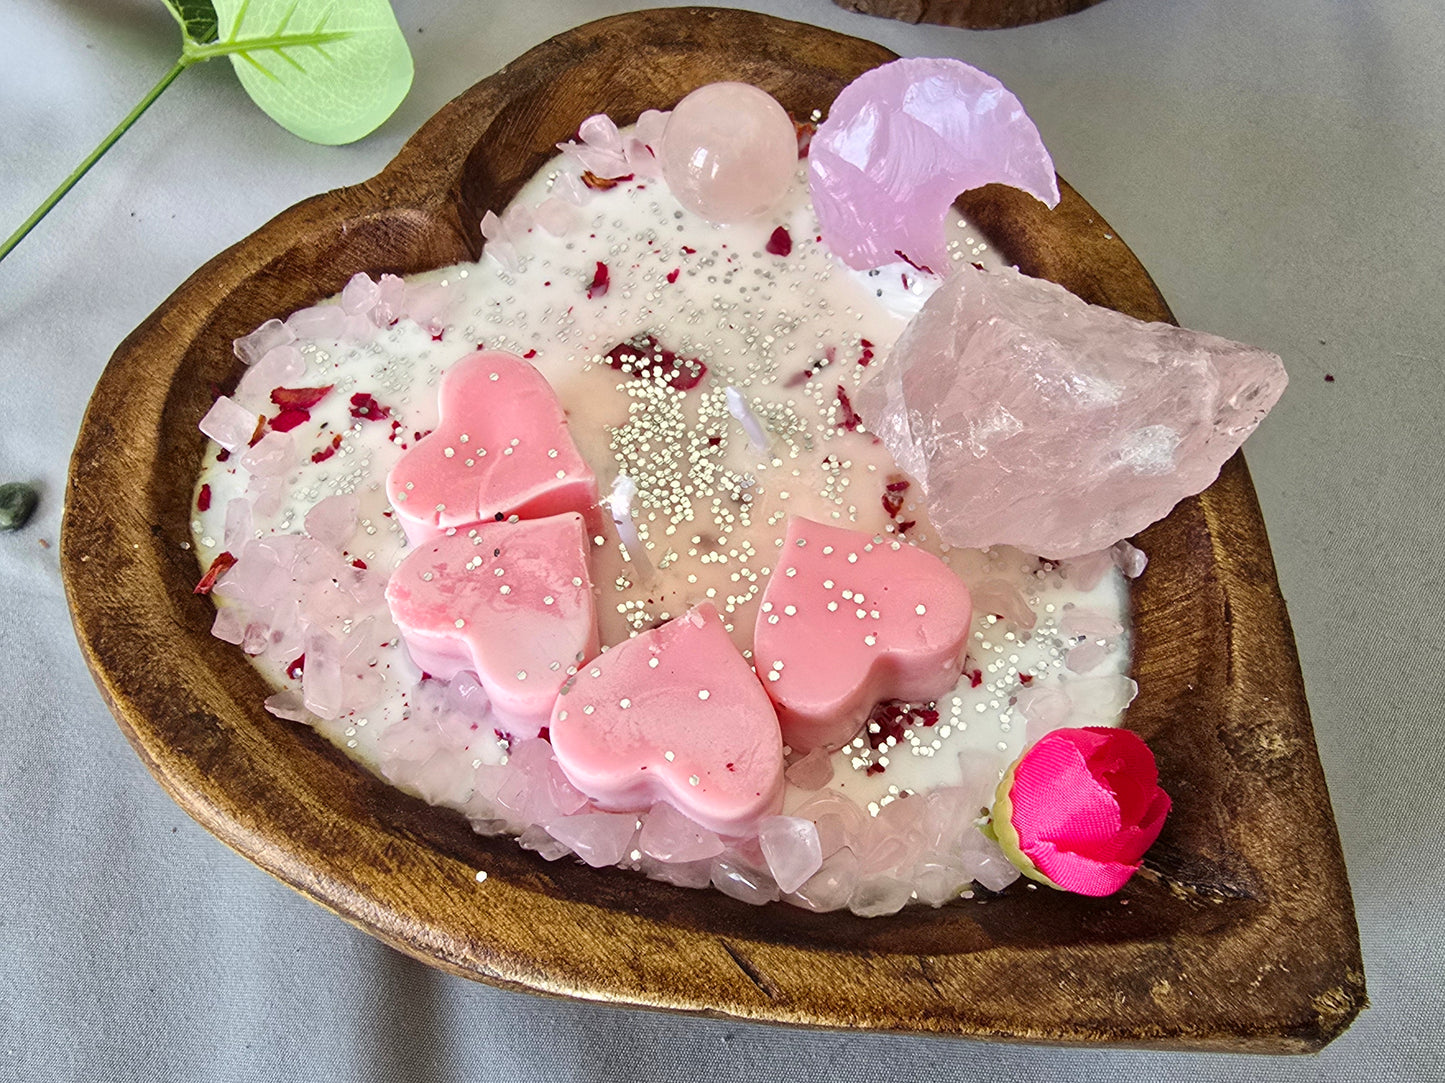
x: 849, y: 620
x: 501, y: 448
x: 1033, y: 419
x: 677, y: 715
x: 899, y: 145
x: 510, y: 602
x: 729, y: 152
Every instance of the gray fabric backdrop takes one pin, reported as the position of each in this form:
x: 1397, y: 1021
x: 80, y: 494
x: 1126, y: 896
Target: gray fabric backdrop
x: 1276, y: 166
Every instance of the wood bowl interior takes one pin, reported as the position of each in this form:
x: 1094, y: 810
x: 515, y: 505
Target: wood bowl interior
x: 1240, y: 934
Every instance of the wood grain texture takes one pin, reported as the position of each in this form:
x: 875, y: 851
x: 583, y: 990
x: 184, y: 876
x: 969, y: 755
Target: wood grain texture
x: 1241, y: 932
x: 969, y: 14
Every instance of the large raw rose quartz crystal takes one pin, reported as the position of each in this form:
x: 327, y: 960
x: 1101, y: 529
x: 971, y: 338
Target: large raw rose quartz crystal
x: 1033, y: 419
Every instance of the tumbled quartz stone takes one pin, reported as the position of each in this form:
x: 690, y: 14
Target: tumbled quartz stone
x: 598, y: 838
x: 669, y: 836
x: 831, y: 886
x: 878, y: 895
x: 1034, y: 419
x: 790, y: 843
x: 742, y: 880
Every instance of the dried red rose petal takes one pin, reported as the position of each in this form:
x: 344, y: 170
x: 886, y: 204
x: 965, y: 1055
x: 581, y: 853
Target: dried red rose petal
x: 847, y: 417
x: 366, y: 408
x: 298, y: 398
x: 223, y: 563
x: 644, y: 356
x: 600, y: 281
x: 289, y: 419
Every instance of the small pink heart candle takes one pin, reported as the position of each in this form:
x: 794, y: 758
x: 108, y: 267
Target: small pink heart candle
x: 674, y: 714
x: 849, y: 620
x: 501, y: 448
x: 511, y: 602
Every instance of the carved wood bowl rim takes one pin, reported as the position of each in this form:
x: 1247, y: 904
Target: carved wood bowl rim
x: 1240, y: 933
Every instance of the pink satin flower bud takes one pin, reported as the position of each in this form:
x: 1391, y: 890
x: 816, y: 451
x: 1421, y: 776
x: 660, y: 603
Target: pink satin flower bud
x: 1079, y: 808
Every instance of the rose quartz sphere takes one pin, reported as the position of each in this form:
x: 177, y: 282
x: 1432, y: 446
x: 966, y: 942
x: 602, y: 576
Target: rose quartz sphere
x: 729, y: 152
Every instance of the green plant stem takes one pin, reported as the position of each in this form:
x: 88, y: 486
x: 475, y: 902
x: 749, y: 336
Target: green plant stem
x: 94, y: 156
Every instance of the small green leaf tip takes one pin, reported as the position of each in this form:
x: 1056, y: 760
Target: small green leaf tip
x: 197, y: 18
x: 330, y: 71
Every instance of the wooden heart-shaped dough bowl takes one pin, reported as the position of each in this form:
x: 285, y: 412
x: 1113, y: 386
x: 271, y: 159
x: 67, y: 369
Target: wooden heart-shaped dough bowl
x: 1240, y: 933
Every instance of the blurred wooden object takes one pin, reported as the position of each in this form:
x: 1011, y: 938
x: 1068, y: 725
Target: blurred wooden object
x: 969, y: 14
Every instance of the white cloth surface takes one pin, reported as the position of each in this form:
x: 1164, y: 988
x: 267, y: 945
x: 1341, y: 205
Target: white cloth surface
x: 1277, y: 168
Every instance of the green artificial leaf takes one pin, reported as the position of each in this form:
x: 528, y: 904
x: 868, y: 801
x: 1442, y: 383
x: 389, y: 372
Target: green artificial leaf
x: 197, y: 18
x: 328, y: 70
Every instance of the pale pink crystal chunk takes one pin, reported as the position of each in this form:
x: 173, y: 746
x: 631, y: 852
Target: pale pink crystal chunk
x: 742, y: 880
x: 251, y: 348
x: 894, y: 619
x: 1034, y: 419
x: 674, y: 714
x: 899, y: 145
x: 282, y: 366
x: 812, y: 771
x: 332, y: 519
x: 229, y: 423
x: 841, y: 823
x: 501, y: 448
x: 831, y: 886
x: 390, y: 299
x: 790, y: 843
x: 360, y: 294
x: 318, y: 321
x: 521, y: 630
x: 671, y: 837
x: 598, y: 838
x: 729, y: 152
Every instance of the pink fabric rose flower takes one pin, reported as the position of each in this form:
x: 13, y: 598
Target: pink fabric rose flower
x: 1079, y: 808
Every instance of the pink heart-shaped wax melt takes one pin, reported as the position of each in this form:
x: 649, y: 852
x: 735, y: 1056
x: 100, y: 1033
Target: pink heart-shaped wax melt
x: 512, y: 602
x: 849, y: 620
x: 500, y: 449
x: 674, y: 714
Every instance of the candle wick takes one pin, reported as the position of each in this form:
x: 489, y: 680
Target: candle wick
x: 619, y: 504
x: 751, y: 423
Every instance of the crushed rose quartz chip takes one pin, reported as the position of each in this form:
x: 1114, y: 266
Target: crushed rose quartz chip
x: 1036, y: 420
x: 501, y: 448
x: 899, y: 145
x: 629, y: 733
x: 510, y: 602
x: 849, y: 620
